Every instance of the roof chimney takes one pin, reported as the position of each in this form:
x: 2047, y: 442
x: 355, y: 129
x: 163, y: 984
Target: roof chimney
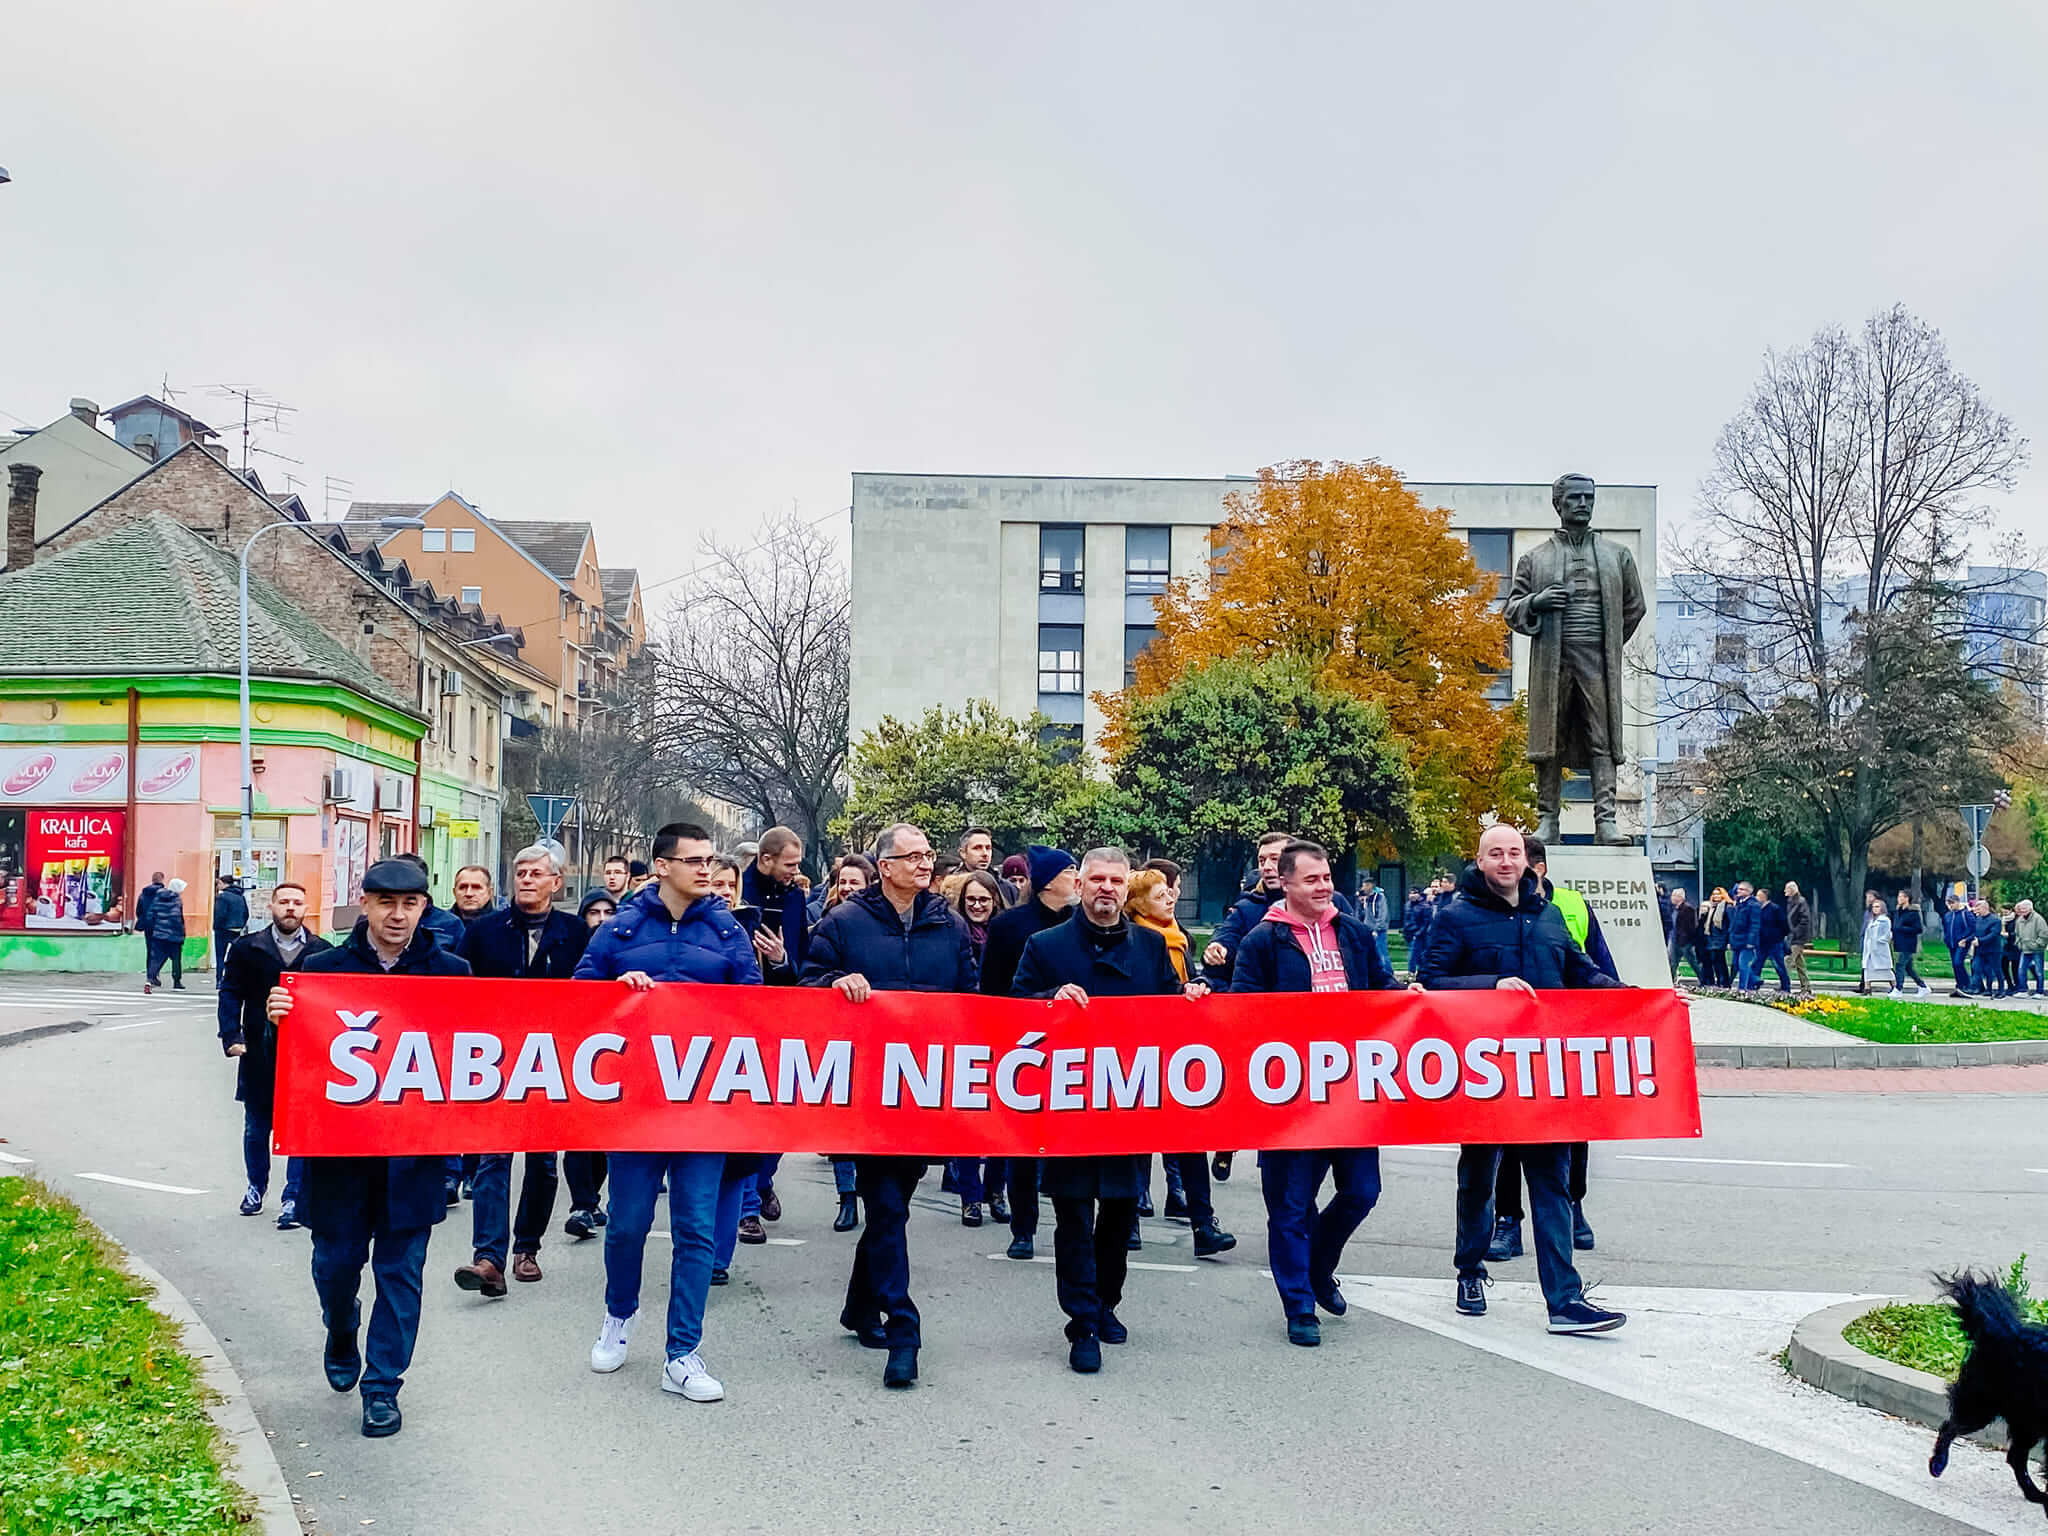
x: 22, y: 480
x: 87, y: 411
x: 145, y: 444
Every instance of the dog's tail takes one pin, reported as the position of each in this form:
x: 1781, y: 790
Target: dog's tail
x: 1985, y: 1308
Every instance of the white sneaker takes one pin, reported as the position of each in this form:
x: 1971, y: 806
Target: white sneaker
x: 1926, y: 990
x: 1895, y: 992
x: 609, y: 1352
x: 688, y: 1377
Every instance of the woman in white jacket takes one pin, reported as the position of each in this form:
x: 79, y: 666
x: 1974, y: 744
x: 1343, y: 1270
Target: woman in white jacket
x: 1877, y: 950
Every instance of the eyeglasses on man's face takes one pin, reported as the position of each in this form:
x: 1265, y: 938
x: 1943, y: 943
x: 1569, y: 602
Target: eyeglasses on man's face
x: 691, y: 861
x: 915, y: 856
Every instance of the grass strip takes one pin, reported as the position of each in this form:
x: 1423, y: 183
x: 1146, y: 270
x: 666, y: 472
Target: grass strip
x: 103, y: 1423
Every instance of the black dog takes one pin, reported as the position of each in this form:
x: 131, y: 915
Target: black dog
x: 2005, y: 1375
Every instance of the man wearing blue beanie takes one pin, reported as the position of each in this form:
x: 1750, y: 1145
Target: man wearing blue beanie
x: 1054, y: 883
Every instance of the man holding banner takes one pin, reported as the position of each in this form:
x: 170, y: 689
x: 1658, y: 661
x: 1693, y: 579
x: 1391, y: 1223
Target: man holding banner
x: 897, y: 936
x: 379, y: 1210
x: 1304, y: 944
x: 1499, y: 932
x: 1097, y: 952
x: 674, y: 930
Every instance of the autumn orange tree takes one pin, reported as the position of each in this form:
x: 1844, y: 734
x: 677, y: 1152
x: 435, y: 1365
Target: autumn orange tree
x: 1341, y: 566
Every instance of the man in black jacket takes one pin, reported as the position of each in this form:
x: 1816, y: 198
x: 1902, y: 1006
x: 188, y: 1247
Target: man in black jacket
x: 897, y: 936
x: 1097, y: 952
x: 1250, y: 909
x: 529, y: 940
x: 253, y: 965
x: 1499, y: 932
x: 1054, y: 882
x: 379, y: 1210
x: 1304, y: 944
x: 230, y: 917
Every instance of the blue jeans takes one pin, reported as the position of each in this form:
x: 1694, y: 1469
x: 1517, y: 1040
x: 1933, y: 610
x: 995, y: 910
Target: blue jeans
x: 396, y: 1259
x: 2030, y: 960
x: 1546, y: 1165
x: 256, y: 1156
x: 696, y: 1181
x: 1775, y: 956
x: 842, y: 1175
x: 1304, y: 1245
x: 491, y: 1220
x: 1379, y: 942
x: 1748, y: 966
x: 1987, y: 976
x: 967, y: 1173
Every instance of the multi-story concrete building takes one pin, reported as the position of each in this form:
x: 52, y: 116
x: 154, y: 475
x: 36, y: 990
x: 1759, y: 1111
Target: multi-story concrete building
x: 1037, y: 592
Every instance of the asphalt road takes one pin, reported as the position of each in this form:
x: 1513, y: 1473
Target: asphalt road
x: 1208, y: 1417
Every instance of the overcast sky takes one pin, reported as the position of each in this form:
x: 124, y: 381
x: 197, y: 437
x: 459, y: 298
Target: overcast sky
x: 670, y: 266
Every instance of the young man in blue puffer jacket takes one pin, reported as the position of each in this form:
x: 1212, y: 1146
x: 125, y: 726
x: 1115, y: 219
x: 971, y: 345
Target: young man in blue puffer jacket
x: 673, y: 930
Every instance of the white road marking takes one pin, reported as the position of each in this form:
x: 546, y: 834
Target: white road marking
x: 2037, y: 1170
x: 787, y: 1242
x: 1709, y: 1357
x: 138, y: 1024
x: 9, y: 1157
x: 1164, y: 1269
x: 164, y: 1189
x: 1724, y: 1162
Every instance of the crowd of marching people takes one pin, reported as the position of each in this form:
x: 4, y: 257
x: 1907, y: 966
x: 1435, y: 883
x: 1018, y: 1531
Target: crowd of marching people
x: 903, y: 916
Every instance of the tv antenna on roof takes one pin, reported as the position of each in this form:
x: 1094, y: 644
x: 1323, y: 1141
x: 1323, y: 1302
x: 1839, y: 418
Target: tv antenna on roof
x: 258, y: 410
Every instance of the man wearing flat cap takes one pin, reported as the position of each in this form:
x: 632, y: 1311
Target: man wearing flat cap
x: 374, y: 1210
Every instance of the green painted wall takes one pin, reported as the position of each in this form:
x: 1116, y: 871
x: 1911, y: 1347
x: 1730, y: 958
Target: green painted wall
x: 50, y: 951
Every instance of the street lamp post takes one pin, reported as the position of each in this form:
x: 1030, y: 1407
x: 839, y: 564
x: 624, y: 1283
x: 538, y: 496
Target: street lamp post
x: 394, y: 524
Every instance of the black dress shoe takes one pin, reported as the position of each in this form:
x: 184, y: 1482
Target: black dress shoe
x: 1021, y: 1248
x: 1328, y: 1297
x: 381, y: 1417
x: 1085, y: 1355
x: 1145, y: 1202
x: 1219, y: 1167
x: 1136, y: 1240
x: 849, y: 1214
x: 1176, y: 1206
x: 1211, y: 1240
x: 344, y: 1362
x: 1305, y: 1331
x: 871, y: 1335
x: 721, y: 1276
x: 901, y: 1370
x: 999, y: 1210
x: 1111, y: 1329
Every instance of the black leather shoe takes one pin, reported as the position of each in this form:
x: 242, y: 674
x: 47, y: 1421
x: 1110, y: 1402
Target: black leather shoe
x: 849, y: 1214
x: 1176, y: 1206
x: 1085, y: 1355
x: 1020, y: 1248
x: 871, y: 1335
x: 1305, y: 1331
x: 381, y: 1417
x: 1145, y: 1202
x: 344, y: 1362
x: 579, y: 1225
x: 999, y: 1210
x: 721, y: 1276
x: 1136, y: 1240
x: 1111, y: 1329
x: 901, y: 1370
x: 1211, y: 1240
x: 1328, y: 1297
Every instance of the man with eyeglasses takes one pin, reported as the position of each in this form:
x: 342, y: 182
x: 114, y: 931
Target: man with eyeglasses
x: 896, y: 936
x: 674, y: 930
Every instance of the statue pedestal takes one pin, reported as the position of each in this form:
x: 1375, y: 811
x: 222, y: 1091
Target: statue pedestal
x: 1621, y: 890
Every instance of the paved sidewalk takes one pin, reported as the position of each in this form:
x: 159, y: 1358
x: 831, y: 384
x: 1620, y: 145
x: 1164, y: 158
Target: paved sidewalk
x: 1718, y: 1021
x: 1739, y: 1081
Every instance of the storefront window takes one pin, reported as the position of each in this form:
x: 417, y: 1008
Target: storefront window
x: 72, y: 870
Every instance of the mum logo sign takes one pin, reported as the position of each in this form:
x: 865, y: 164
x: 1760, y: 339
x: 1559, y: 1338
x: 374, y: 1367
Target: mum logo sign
x: 401, y: 1066
x: 96, y: 775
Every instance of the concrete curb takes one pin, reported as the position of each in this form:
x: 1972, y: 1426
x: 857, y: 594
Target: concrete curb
x: 1994, y: 1053
x: 1821, y: 1356
x: 252, y: 1462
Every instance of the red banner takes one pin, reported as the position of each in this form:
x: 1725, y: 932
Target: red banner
x: 413, y: 1065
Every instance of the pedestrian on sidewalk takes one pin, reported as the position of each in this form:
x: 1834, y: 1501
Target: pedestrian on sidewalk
x: 1098, y: 952
x: 1502, y: 934
x: 1304, y: 944
x: 1877, y: 949
x: 253, y: 966
x: 2030, y: 934
x: 167, y: 937
x: 1907, y: 926
x: 897, y: 936
x: 378, y: 1211
x: 1714, y: 936
x: 2009, y: 951
x: 1958, y: 930
x: 1987, y: 949
x: 1799, y: 934
x: 1745, y: 924
x: 230, y: 920
x: 1372, y: 911
x: 1772, y: 933
x: 1683, y: 942
x: 528, y: 941
x: 674, y: 930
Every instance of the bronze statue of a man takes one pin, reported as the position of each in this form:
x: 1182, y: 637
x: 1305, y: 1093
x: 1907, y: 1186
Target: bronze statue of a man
x: 1578, y: 596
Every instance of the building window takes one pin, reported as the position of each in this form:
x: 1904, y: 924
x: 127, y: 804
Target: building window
x: 1500, y: 687
x: 433, y: 540
x: 1136, y: 638
x: 473, y: 595
x: 1059, y: 658
x: 1148, y: 560
x: 1064, y: 740
x: 1731, y: 651
x: 1493, y: 551
x: 462, y: 540
x: 1059, y: 558
x: 1688, y: 609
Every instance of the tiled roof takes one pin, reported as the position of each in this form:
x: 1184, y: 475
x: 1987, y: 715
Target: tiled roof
x: 555, y: 546
x: 156, y: 597
x: 619, y: 581
x: 370, y: 511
